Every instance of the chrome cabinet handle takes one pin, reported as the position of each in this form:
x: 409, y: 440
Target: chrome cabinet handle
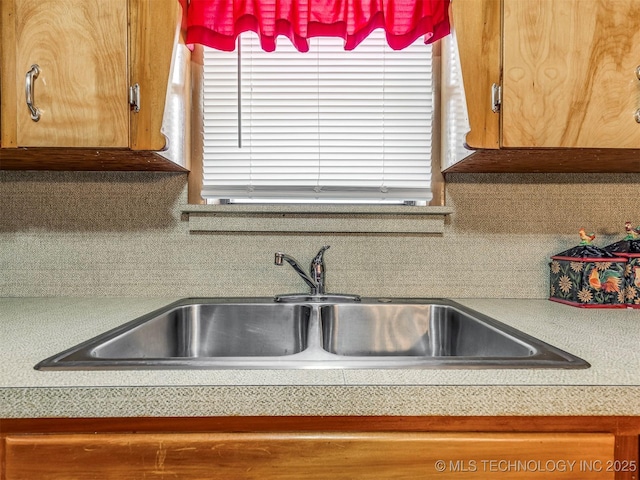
x: 496, y: 98
x: 32, y: 74
x: 637, y: 114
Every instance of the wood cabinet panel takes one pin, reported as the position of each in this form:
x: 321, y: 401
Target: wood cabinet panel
x: 570, y: 73
x: 476, y: 26
x: 7, y: 75
x: 570, y: 87
x: 316, y: 455
x: 84, y: 159
x: 550, y: 160
x: 154, y: 25
x: 82, y: 89
x: 89, y: 53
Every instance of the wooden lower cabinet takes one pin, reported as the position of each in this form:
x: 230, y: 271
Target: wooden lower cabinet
x: 149, y: 452
x: 312, y: 455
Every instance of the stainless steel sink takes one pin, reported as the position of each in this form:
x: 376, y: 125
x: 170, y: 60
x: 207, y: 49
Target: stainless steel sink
x: 209, y: 330
x: 431, y: 330
x: 316, y: 333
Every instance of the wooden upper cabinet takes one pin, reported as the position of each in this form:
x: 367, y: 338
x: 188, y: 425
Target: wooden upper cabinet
x: 570, y: 73
x: 81, y: 90
x: 564, y: 74
x: 476, y: 26
x: 89, y: 53
x: 152, y: 37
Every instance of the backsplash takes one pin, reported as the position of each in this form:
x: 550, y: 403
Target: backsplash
x: 122, y: 234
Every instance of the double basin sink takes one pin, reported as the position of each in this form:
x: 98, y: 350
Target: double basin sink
x: 317, y: 332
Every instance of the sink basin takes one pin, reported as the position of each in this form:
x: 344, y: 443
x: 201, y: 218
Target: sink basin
x: 430, y: 330
x: 261, y: 333
x: 206, y: 330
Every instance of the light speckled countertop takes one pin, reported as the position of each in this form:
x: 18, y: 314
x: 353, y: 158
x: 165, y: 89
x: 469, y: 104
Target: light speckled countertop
x: 32, y: 329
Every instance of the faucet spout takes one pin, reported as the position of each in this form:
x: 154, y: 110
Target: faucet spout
x: 280, y: 257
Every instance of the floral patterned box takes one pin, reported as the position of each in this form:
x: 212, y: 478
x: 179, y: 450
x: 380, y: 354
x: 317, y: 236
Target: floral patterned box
x: 629, y: 248
x: 588, y: 276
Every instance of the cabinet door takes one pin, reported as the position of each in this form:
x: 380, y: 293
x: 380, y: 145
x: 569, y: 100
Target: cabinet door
x: 313, y: 456
x: 476, y: 27
x: 569, y: 70
x: 81, y: 90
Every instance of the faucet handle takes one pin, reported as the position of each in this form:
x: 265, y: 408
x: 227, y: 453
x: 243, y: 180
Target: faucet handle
x: 318, y: 259
x: 317, y: 270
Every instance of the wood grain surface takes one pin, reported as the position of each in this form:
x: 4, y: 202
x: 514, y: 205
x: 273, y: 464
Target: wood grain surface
x: 8, y: 135
x: 569, y: 73
x: 395, y: 455
x: 82, y: 90
x: 41, y: 158
x: 476, y: 24
x: 550, y: 160
x: 626, y: 429
x: 154, y: 25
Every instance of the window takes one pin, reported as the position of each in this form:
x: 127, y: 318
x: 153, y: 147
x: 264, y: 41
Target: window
x: 326, y: 126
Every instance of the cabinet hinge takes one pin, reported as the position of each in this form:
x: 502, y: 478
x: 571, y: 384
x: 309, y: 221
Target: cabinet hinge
x: 496, y: 97
x: 134, y: 98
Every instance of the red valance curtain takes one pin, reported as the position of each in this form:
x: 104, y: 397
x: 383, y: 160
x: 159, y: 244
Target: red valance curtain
x: 217, y: 23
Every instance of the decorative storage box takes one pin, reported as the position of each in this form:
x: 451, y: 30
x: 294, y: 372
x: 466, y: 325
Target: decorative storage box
x: 629, y: 248
x: 588, y: 276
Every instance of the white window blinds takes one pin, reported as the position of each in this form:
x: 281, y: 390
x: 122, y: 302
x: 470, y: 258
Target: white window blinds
x: 327, y: 125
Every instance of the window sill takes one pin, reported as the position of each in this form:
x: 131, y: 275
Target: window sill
x: 373, y: 219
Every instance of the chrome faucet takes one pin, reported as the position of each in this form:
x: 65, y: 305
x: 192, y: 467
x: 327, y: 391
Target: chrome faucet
x: 316, y: 270
x: 315, y: 280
